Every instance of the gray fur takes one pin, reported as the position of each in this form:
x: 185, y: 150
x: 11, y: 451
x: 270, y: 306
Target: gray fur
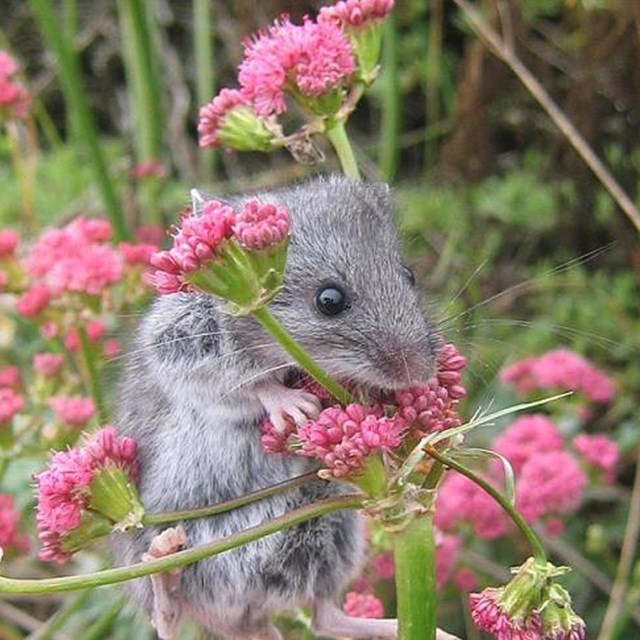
x: 187, y: 397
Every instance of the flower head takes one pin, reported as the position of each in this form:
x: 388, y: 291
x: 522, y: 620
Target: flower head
x: 33, y: 301
x: 10, y: 377
x: 599, y: 452
x: 309, y: 61
x: 8, y: 240
x: 10, y: 537
x: 14, y: 98
x: 75, y: 411
x: 48, y: 365
x: 559, y: 620
x: 230, y: 120
x: 259, y: 226
x: 356, y: 13
x: 10, y: 404
x: 363, y: 605
x: 135, y: 254
x: 98, y: 476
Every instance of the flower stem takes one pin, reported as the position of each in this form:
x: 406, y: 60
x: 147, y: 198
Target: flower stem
x: 414, y: 558
x: 538, y: 550
x: 273, y: 326
x: 337, y: 135
x: 229, y: 505
x: 181, y: 558
x: 91, y: 373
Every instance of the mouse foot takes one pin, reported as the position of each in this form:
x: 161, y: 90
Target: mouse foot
x: 284, y: 404
x: 329, y: 620
x: 167, y: 608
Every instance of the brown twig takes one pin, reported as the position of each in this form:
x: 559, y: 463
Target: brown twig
x: 625, y: 564
x: 504, y: 52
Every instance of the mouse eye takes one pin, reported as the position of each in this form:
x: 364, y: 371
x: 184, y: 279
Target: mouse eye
x: 331, y: 300
x: 409, y: 276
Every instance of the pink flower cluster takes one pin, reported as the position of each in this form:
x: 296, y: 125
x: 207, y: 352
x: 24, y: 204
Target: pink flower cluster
x: 76, y: 258
x: 10, y: 404
x: 10, y: 537
x: 199, y: 238
x: 63, y: 490
x: 10, y: 377
x: 434, y: 407
x: 599, y: 453
x: 74, y: 411
x: 356, y: 13
x: 14, y: 98
x: 562, y: 370
x: 488, y: 615
x: 550, y: 482
x: 363, y: 605
x: 307, y: 61
x: 48, y: 365
x: 9, y: 240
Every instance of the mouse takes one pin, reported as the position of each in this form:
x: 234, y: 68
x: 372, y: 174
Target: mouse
x: 198, y: 382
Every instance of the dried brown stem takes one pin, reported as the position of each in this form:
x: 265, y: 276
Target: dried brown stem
x: 504, y: 52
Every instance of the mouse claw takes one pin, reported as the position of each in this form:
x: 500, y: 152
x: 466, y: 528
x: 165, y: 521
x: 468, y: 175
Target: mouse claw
x: 286, y: 405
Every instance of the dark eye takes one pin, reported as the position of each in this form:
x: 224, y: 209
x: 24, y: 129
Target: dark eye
x: 409, y: 276
x: 331, y: 300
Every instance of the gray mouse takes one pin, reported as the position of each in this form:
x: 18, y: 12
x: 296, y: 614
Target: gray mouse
x: 198, y: 383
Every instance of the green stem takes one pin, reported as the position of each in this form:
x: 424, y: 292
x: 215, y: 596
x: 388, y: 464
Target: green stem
x: 273, y: 326
x: 92, y: 375
x: 414, y: 558
x: 181, y: 558
x: 337, y: 135
x: 205, y: 67
x: 538, y: 550
x: 76, y: 99
x: 390, y: 117
x: 229, y: 505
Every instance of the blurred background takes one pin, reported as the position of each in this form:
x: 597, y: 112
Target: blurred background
x: 518, y: 246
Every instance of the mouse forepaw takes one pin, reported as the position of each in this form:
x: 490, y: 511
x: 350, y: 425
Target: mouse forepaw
x: 284, y: 405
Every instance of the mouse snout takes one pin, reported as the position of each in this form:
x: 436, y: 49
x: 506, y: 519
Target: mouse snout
x: 404, y: 363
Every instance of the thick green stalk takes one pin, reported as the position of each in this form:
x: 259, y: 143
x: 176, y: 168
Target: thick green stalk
x: 538, y: 550
x: 181, y: 558
x: 229, y: 505
x: 337, y: 135
x: 414, y: 559
x: 273, y: 326
x: 76, y: 100
x: 205, y: 68
x: 390, y: 124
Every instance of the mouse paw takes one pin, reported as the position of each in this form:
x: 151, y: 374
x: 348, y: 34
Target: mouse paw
x: 284, y: 405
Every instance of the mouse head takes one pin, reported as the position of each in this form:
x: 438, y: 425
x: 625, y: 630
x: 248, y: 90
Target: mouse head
x: 347, y: 297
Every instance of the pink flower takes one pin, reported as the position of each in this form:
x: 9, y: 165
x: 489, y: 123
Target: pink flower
x: 462, y: 501
x: 48, y: 365
x: 111, y: 348
x: 259, y: 226
x: 356, y: 13
x: 10, y: 537
x: 549, y: 484
x: 342, y: 438
x: 10, y: 404
x: 563, y: 370
x: 75, y: 411
x: 447, y: 550
x: 134, y: 254
x: 314, y: 58
x: 434, y: 406
x: 465, y: 579
x: 10, y: 377
x: 489, y: 615
x: 527, y: 437
x: 599, y: 452
x: 94, y: 329
x: 8, y: 240
x: 213, y: 115
x: 383, y: 565
x: 14, y: 98
x: 63, y: 490
x: 33, y: 301
x: 149, y: 168
x: 150, y: 234
x: 363, y: 605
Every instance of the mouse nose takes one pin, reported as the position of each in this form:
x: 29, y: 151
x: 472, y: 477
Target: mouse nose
x: 402, y: 363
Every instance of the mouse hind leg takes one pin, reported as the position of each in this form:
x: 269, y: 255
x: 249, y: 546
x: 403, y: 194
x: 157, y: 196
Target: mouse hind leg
x: 167, y: 600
